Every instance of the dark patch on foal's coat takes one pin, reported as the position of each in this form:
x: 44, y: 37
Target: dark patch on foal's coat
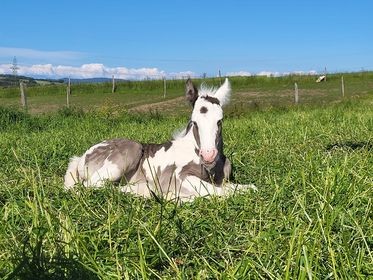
x: 118, y: 151
x: 196, y: 135
x: 166, y: 178
x: 193, y: 169
x: 216, y: 175
x: 211, y: 99
x: 151, y: 149
x: 195, y: 132
x: 203, y: 110
x: 114, y: 150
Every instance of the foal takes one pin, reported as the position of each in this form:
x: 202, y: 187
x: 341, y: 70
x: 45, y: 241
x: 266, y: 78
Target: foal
x: 191, y: 165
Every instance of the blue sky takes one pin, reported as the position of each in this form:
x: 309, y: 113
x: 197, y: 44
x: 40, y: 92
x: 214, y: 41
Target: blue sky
x: 139, y: 38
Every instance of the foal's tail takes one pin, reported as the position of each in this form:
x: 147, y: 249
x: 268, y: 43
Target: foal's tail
x: 72, y: 176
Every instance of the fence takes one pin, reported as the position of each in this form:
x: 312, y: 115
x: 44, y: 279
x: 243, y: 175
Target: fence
x: 246, y: 90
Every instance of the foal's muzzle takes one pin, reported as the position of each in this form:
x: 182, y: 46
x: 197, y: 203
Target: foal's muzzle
x: 208, y: 156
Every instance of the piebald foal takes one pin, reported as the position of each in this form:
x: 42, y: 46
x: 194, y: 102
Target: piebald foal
x: 191, y: 165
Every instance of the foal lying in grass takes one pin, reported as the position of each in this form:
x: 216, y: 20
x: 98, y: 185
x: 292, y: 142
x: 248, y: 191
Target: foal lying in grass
x: 189, y: 166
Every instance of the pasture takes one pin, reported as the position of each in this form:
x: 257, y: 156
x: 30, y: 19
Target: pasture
x: 311, y: 217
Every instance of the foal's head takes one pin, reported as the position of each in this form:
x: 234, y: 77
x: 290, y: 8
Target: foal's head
x: 206, y: 119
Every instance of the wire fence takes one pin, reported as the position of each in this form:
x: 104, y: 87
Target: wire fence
x: 249, y: 91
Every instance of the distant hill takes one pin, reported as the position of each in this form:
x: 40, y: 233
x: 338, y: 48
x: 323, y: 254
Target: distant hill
x: 11, y: 81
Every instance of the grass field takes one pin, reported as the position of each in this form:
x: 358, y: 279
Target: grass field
x: 310, y: 219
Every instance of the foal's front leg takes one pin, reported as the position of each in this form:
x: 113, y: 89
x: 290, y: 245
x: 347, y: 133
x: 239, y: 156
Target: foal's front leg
x: 138, y: 188
x: 193, y: 186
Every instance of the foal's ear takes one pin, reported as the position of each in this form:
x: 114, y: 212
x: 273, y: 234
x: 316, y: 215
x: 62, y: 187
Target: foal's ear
x: 191, y: 92
x: 223, y: 93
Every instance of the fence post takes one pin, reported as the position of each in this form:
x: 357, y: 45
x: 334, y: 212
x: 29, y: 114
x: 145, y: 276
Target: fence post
x: 325, y: 73
x: 296, y: 95
x: 220, y: 76
x: 164, y: 87
x: 23, y: 95
x: 343, y: 87
x: 68, y: 93
x: 113, y: 87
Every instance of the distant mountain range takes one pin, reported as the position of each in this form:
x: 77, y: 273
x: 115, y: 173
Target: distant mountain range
x: 11, y: 80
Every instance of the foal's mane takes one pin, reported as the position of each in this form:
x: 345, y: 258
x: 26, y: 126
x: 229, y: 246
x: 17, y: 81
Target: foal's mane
x: 206, y: 90
x: 222, y: 93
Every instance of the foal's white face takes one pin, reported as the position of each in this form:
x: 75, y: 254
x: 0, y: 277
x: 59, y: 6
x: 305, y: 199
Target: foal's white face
x: 207, y: 119
x: 207, y: 116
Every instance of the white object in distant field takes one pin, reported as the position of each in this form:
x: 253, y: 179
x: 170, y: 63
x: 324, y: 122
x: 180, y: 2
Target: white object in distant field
x: 320, y: 79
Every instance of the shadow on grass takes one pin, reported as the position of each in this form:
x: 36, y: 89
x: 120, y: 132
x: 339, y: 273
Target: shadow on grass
x: 33, y: 264
x: 349, y: 145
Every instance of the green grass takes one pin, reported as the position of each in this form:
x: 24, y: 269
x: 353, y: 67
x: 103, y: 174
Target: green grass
x: 310, y: 219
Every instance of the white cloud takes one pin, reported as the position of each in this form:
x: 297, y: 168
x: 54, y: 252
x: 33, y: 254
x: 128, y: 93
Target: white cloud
x: 93, y: 70
x: 53, y: 68
x: 39, y: 69
x: 312, y: 72
x: 279, y: 74
x: 239, y: 73
x: 181, y: 75
x: 300, y: 73
x: 269, y: 74
x: 97, y: 70
x: 5, y: 69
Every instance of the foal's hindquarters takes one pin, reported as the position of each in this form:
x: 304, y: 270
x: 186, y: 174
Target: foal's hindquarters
x: 112, y: 160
